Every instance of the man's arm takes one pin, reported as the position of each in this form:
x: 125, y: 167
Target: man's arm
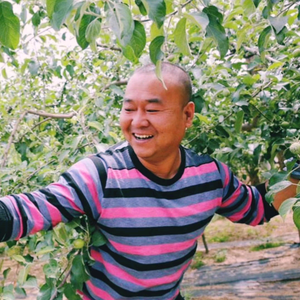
x: 77, y: 192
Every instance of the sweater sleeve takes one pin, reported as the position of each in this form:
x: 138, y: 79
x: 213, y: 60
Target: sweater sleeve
x: 242, y: 203
x: 78, y: 191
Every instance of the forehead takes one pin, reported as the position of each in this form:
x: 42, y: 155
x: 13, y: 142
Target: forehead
x: 148, y: 86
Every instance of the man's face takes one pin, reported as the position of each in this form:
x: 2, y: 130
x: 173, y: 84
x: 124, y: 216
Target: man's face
x: 153, y: 119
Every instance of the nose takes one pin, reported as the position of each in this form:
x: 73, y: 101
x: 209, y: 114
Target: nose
x: 140, y: 119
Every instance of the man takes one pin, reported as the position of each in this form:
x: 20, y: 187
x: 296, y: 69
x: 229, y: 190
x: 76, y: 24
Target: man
x: 157, y: 198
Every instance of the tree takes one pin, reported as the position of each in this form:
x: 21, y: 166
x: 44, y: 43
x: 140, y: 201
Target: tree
x: 63, y: 66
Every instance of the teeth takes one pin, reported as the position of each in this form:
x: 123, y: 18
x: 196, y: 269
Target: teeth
x: 143, y: 137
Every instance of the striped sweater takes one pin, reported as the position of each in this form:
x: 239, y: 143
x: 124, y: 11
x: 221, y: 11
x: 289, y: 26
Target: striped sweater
x: 151, y: 224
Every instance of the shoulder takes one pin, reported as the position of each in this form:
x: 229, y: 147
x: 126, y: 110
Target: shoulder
x: 194, y: 159
x: 116, y: 156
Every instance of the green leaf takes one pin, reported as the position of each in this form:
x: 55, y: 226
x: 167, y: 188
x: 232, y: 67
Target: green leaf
x: 263, y: 39
x: 22, y: 277
x: 249, y: 7
x: 277, y: 187
x: 98, y: 239
x: 296, y: 216
x: 256, y: 2
x: 47, y: 291
x: 239, y: 121
x: 36, y: 19
x: 141, y: 7
x: 236, y: 95
x: 198, y: 18
x: 95, y: 125
x: 256, y: 154
x: 58, y: 10
x: 121, y: 22
x: 78, y: 272
x: 281, y: 36
x: 242, y: 36
x: 60, y: 234
x: 50, y: 269
x: 93, y: 30
x: 80, y: 37
x: 9, y: 26
x: 217, y: 32
x: 157, y: 11
x: 135, y: 47
x: 287, y: 206
x: 70, y: 292
x: 278, y: 23
x: 180, y: 37
x: 155, y: 49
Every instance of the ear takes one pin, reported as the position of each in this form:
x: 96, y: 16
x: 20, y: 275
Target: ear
x: 189, y: 111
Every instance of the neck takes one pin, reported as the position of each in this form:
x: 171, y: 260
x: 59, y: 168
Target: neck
x: 166, y: 168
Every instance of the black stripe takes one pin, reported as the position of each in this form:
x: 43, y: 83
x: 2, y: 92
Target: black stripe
x: 155, y: 231
x: 31, y: 198
x: 231, y: 208
x: 126, y: 293
x: 7, y: 223
x: 86, y: 207
x: 170, y: 195
x: 100, y: 169
x: 24, y: 217
x: 232, y: 188
x: 249, y: 215
x: 128, y: 263
x: 51, y: 198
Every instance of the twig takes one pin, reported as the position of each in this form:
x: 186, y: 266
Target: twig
x: 118, y: 83
x: 110, y: 47
x: 36, y: 125
x: 256, y: 52
x: 173, y: 13
x: 10, y: 140
x: 34, y: 112
x: 50, y: 115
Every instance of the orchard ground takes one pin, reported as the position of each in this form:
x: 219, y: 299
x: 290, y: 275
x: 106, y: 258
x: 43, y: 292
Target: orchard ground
x: 243, y: 262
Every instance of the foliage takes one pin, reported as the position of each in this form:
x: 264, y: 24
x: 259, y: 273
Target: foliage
x: 63, y: 65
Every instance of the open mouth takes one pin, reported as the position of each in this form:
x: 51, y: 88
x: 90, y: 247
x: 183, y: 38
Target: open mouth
x: 142, y: 136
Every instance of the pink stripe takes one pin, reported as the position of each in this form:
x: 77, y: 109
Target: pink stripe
x: 259, y: 214
x: 147, y: 283
x: 52, y: 210
x: 98, y: 291
x: 38, y: 221
x: 128, y: 174
x: 149, y: 250
x: 65, y: 193
x: 227, y: 177
x: 19, y: 215
x: 85, y: 173
x: 203, y: 169
x: 157, y: 212
x: 239, y: 215
x: 233, y: 198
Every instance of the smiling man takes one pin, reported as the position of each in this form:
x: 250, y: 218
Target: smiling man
x: 151, y: 197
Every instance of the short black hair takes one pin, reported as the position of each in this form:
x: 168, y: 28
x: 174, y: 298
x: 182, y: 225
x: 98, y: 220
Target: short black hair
x: 176, y: 71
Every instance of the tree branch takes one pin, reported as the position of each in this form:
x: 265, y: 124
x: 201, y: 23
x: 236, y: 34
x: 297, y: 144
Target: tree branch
x: 50, y: 115
x: 33, y: 112
x: 10, y: 140
x: 110, y: 47
x: 256, y: 52
x: 118, y: 83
